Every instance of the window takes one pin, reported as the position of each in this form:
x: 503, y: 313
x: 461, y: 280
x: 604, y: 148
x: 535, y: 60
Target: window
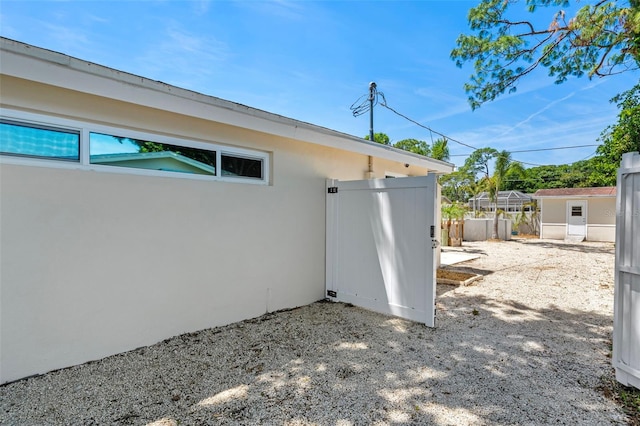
x: 576, y: 210
x: 27, y: 140
x: 240, y: 166
x: 141, y: 154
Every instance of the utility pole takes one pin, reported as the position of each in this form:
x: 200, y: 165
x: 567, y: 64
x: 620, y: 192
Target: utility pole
x: 372, y: 92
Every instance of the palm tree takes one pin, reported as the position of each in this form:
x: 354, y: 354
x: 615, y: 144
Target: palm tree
x: 504, y: 165
x: 440, y: 150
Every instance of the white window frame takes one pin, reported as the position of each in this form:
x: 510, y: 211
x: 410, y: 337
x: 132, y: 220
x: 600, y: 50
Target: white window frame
x: 84, y: 163
x: 394, y: 175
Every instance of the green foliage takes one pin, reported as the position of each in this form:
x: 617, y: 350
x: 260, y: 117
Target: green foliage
x: 453, y: 211
x: 619, y: 138
x: 415, y: 146
x: 576, y: 175
x: 440, y: 149
x: 602, y: 38
x: 457, y: 186
x: 504, y: 167
x: 381, y: 138
x: 479, y: 161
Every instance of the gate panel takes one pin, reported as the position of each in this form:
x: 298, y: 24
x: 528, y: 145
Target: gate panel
x: 380, y: 253
x: 626, y: 321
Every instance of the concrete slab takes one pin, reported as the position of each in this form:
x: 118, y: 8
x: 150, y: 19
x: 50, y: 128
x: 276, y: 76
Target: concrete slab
x: 453, y: 257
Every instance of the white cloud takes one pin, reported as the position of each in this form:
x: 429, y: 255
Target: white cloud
x: 182, y: 58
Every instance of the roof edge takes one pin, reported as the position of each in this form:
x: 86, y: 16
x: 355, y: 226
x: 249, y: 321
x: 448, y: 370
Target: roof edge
x: 192, y: 104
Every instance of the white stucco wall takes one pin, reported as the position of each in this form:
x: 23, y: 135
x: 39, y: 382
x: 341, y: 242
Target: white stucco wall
x: 605, y: 233
x: 553, y: 231
x: 97, y: 263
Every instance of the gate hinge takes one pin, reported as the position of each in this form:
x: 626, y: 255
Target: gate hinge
x: 332, y: 190
x: 332, y: 293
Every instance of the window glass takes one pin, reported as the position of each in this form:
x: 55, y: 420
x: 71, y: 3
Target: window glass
x: 141, y: 154
x: 41, y: 142
x: 240, y: 166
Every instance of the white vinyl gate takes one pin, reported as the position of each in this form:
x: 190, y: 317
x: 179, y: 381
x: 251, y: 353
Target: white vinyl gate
x: 381, y: 236
x: 626, y: 322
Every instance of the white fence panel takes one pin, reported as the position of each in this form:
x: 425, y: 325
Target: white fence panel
x: 482, y: 229
x: 380, y: 245
x: 626, y: 323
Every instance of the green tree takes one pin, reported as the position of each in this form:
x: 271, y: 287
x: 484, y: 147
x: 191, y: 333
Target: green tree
x: 440, y: 150
x: 457, y: 186
x: 381, y: 138
x: 504, y: 165
x: 414, y: 145
x: 602, y: 38
x: 478, y: 165
x: 480, y: 162
x: 624, y: 136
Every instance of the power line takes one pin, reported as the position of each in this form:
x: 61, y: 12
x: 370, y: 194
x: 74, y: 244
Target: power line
x: 384, y: 104
x: 366, y: 103
x: 529, y: 164
x: 539, y: 149
x: 551, y: 149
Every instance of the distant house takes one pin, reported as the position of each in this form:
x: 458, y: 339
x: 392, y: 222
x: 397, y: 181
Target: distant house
x: 587, y: 213
x: 508, y: 201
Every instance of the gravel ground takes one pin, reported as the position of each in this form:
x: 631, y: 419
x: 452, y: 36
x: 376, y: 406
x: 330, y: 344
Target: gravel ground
x: 528, y: 345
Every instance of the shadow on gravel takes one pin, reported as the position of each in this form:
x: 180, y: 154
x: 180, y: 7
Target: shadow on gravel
x: 488, y: 362
x: 486, y: 371
x: 582, y: 248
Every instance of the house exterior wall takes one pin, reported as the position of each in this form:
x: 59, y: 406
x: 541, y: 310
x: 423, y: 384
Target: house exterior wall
x: 553, y: 211
x: 602, y: 211
x: 601, y: 218
x: 96, y: 263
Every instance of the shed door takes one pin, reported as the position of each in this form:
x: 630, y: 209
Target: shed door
x: 577, y: 218
x: 380, y: 245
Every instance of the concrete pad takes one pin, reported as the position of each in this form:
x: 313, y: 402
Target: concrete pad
x: 453, y: 257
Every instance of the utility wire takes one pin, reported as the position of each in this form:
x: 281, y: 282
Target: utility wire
x: 384, y: 104
x: 540, y: 149
x: 364, y: 104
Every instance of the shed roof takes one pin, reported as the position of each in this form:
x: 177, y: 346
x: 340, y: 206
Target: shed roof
x: 33, y: 63
x: 604, y: 191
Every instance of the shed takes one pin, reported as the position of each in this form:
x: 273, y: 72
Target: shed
x: 578, y: 213
x: 105, y: 249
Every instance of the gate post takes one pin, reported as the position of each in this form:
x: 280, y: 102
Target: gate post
x: 626, y: 320
x: 331, y: 217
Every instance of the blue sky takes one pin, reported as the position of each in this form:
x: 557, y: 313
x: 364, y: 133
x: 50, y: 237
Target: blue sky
x: 311, y: 60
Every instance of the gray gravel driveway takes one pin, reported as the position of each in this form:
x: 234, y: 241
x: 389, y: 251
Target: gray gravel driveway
x: 527, y: 345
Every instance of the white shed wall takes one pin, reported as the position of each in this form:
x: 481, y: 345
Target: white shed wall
x: 601, y: 218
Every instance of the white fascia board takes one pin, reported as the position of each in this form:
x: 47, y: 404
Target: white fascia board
x: 44, y: 66
x: 576, y: 197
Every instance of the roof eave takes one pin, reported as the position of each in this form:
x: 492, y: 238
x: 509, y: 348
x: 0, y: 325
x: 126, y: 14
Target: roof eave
x: 36, y: 64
